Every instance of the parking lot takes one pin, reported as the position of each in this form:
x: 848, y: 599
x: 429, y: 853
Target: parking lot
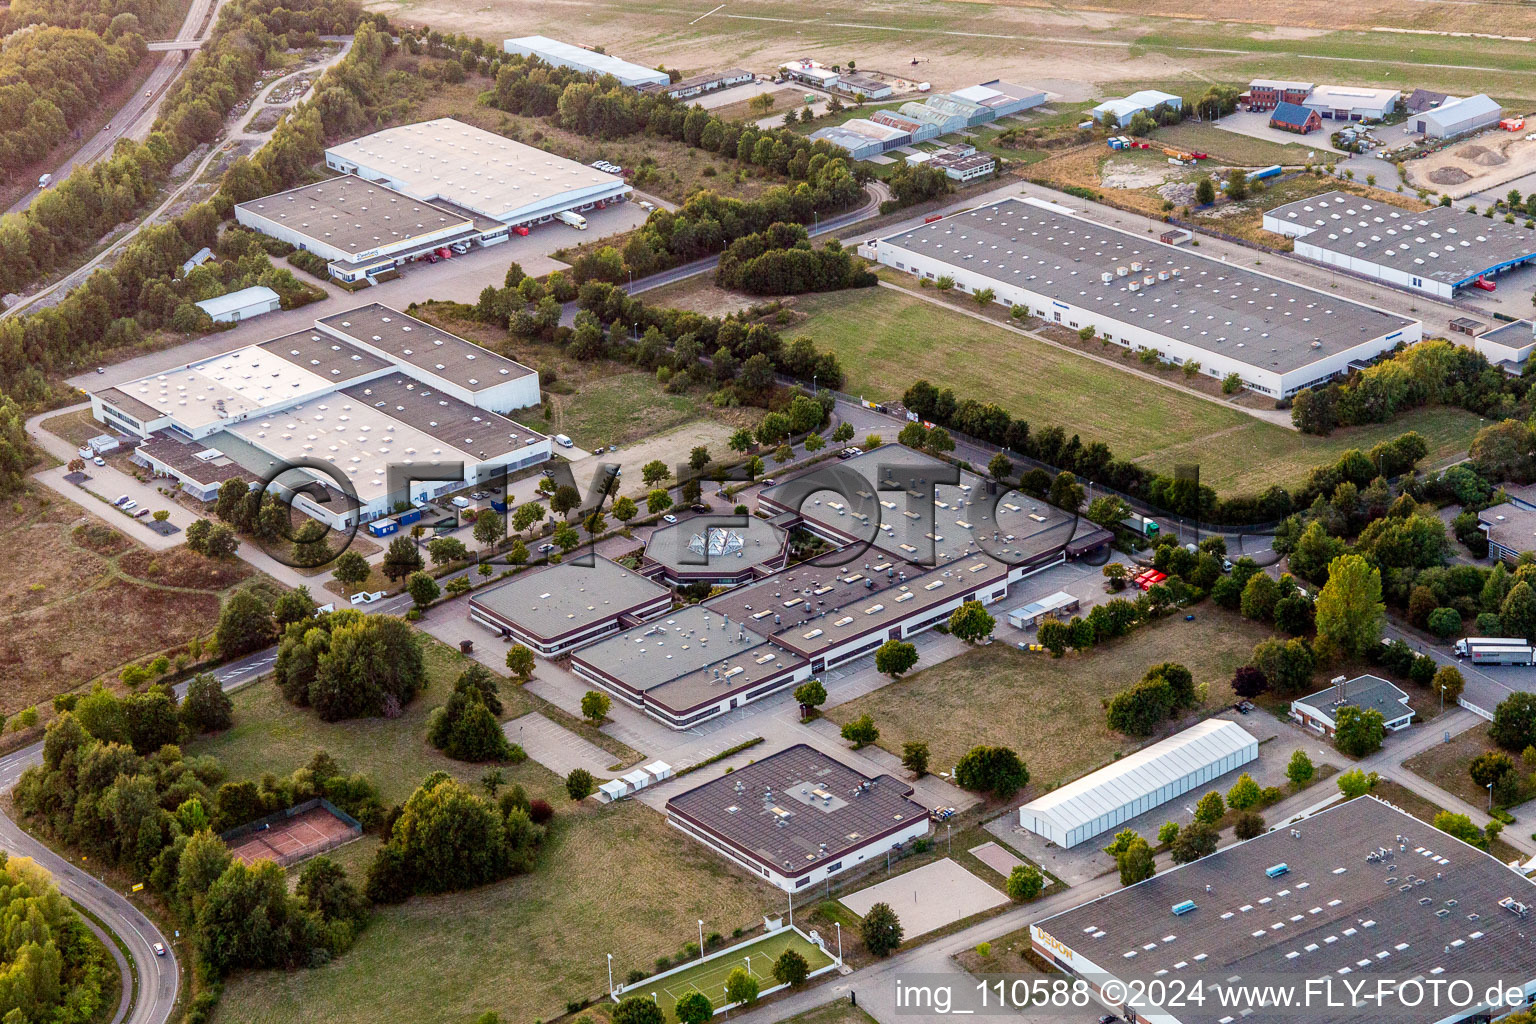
x: 1255, y: 125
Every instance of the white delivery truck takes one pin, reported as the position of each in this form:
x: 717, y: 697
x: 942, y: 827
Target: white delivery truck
x: 44, y: 180
x: 1496, y: 650
x: 575, y: 220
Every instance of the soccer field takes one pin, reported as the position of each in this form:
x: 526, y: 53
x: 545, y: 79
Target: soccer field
x: 709, y: 977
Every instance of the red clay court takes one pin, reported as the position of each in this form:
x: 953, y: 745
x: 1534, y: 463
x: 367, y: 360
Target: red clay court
x: 289, y: 840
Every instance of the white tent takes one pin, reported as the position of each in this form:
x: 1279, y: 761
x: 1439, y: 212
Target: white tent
x: 1152, y: 776
x: 637, y: 779
x: 659, y: 770
x: 613, y: 789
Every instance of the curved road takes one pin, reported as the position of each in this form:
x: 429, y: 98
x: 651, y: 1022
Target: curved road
x: 151, y: 982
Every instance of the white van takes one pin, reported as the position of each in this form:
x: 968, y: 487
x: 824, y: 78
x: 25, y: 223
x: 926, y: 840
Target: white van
x: 563, y: 441
x: 459, y: 501
x: 460, y: 247
x: 44, y: 180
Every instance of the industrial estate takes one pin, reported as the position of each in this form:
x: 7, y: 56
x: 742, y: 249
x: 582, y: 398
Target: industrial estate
x: 620, y: 515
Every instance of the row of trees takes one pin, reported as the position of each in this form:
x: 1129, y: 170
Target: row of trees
x: 54, y: 79
x: 1434, y: 372
x: 781, y: 261
x: 1095, y: 461
x: 54, y: 969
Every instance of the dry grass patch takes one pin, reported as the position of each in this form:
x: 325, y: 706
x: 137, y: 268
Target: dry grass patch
x: 179, y: 567
x: 1445, y: 764
x: 1050, y: 709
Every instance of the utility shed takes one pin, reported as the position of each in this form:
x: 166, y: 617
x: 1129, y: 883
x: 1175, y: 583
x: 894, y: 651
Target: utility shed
x: 241, y: 305
x: 1457, y: 117
x: 1101, y: 801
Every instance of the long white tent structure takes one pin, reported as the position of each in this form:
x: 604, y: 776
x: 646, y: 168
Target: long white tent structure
x: 1154, y: 775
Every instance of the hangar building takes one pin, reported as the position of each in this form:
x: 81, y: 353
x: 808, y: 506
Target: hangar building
x: 1278, y: 337
x: 566, y: 55
x: 1105, y: 799
x: 1436, y: 251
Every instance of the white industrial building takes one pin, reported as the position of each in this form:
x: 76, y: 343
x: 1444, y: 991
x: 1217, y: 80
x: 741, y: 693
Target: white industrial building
x: 1436, y: 251
x: 1277, y: 336
x: 1002, y: 98
x: 1319, y: 711
x: 566, y: 55
x: 233, y: 307
x: 1152, y: 776
x: 1458, y: 117
x: 1120, y: 111
x: 445, y: 161
x: 365, y: 392
x: 810, y: 72
x: 1351, y: 102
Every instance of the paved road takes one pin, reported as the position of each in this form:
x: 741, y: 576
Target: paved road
x: 135, y: 116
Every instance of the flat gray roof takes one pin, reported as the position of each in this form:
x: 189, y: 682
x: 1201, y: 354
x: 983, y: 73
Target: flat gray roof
x: 122, y: 400
x: 1429, y: 904
x: 1260, y: 320
x: 471, y: 430
x: 325, y: 356
x: 410, y: 340
x: 688, y: 658
x: 181, y: 455
x: 799, y: 809
x: 698, y: 546
x: 354, y: 215
x: 1365, y: 692
x: 1442, y: 243
x: 564, y: 598
x: 1510, y: 526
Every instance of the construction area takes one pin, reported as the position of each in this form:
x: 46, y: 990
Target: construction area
x: 1478, y: 164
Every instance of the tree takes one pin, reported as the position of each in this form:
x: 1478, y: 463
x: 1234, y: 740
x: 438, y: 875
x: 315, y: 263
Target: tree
x: 791, y: 969
x: 971, y: 622
x: 1245, y: 793
x: 579, y: 784
x: 401, y: 559
x: 1024, y: 883
x: 997, y: 770
x: 1514, y: 722
x: 1491, y: 768
x: 1350, y: 611
x: 1449, y: 681
x: 1460, y: 827
x: 594, y: 706
x: 1300, y: 769
x: 895, y: 657
x: 520, y: 662
x: 1205, y: 191
x: 206, y: 708
x: 1195, y: 840
x: 999, y: 467
x: 624, y: 509
x: 245, y: 625
x: 1249, y: 825
x: 565, y: 498
x: 1248, y: 681
x: 692, y: 1008
x: 1210, y: 808
x: 531, y: 513
x: 1358, y: 732
x: 639, y: 1010
x: 422, y: 588
x: 658, y: 501
x: 1356, y: 782
x: 914, y: 757
x: 740, y: 987
x: 1259, y: 597
x: 490, y: 528
x: 1135, y: 862
x: 654, y: 472
x: 811, y: 693
x: 861, y: 732
x: 881, y: 930
x: 351, y: 569
x: 741, y: 441
x: 492, y: 780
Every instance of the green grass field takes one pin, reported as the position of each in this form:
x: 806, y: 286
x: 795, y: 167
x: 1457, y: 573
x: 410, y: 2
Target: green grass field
x: 887, y: 340
x: 710, y: 976
x: 1230, y: 147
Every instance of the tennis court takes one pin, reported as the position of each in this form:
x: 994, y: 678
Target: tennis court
x: 292, y: 839
x: 709, y: 976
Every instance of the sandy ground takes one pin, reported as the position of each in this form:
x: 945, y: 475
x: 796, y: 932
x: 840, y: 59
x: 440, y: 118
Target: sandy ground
x: 1130, y: 174
x: 671, y: 448
x: 1483, y: 162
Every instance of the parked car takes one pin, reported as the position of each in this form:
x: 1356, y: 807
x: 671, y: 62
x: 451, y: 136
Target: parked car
x: 563, y: 441
x: 101, y: 369
x: 647, y: 206
x: 545, y: 549
x: 460, y: 247
x: 99, y: 461
x: 141, y: 513
x: 613, y: 447
x: 120, y: 502
x: 700, y: 507
x: 669, y: 518
x: 430, y: 257
x: 478, y: 495
x: 130, y: 505
x: 548, y: 472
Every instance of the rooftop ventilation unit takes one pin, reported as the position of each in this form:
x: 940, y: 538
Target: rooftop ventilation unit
x: 1276, y: 870
x: 1180, y: 909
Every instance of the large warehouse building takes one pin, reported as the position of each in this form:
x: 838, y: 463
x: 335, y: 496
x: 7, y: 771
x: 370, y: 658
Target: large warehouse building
x: 1457, y: 117
x: 799, y: 817
x: 1435, y: 251
x: 406, y: 191
x: 1278, y: 337
x: 569, y: 605
x: 931, y: 547
x: 1359, y: 892
x: 566, y: 55
x: 1111, y: 796
x: 364, y: 391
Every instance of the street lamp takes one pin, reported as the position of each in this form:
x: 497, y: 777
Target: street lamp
x: 610, y: 974
x: 839, y: 925
x: 701, y: 938
x: 1490, y: 798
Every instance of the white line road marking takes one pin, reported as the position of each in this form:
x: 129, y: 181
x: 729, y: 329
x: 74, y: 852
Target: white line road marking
x: 706, y: 14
